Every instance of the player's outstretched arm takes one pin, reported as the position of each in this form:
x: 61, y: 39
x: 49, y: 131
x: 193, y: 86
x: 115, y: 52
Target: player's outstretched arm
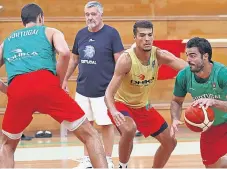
x: 122, y: 67
x: 167, y: 58
x: 63, y: 51
x: 3, y: 86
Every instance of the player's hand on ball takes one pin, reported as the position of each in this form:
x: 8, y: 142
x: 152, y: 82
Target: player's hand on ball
x: 174, y: 127
x: 204, y: 102
x: 118, y: 118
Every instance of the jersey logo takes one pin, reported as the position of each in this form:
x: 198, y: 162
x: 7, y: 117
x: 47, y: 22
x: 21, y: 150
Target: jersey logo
x: 91, y: 40
x: 207, y: 96
x: 214, y: 85
x: 17, y: 51
x: 141, y: 77
x: 18, y: 54
x: 23, y: 34
x: 89, y: 52
x: 142, y: 82
x: 192, y: 89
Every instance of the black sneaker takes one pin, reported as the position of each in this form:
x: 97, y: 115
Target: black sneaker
x: 26, y: 138
x: 138, y: 134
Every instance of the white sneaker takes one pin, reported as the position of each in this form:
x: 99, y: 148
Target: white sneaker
x: 85, y: 163
x: 122, y: 167
x: 110, y: 162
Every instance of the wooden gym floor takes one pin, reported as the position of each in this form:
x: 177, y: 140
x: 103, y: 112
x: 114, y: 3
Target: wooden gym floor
x: 65, y: 153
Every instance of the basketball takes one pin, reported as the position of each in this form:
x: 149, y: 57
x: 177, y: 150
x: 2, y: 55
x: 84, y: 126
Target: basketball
x: 198, y: 119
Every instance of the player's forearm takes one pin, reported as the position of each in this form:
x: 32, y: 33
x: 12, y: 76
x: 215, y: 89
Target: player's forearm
x: 221, y: 105
x: 183, y: 64
x: 110, y: 102
x: 166, y: 57
x: 71, y: 68
x: 62, y: 65
x: 175, y: 110
x: 3, y: 87
x: 179, y: 64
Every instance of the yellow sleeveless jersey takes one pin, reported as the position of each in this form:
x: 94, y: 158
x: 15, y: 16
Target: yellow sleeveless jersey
x: 135, y: 88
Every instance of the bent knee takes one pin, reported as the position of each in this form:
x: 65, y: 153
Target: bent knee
x: 166, y: 140
x: 10, y: 141
x: 128, y: 128
x: 86, y: 131
x: 169, y: 143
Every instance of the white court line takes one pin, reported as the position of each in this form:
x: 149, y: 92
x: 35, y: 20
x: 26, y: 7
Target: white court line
x: 76, y: 152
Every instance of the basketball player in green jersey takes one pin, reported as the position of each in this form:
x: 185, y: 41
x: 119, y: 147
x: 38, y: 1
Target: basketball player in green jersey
x: 206, y: 81
x: 35, y: 85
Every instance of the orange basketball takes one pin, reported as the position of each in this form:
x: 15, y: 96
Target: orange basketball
x: 198, y: 119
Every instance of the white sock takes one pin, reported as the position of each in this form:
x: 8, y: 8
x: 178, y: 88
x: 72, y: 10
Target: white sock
x: 123, y: 165
x: 108, y: 157
x: 86, y: 157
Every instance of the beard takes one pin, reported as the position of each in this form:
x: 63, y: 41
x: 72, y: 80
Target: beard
x: 146, y: 50
x: 196, y: 68
x: 91, y: 25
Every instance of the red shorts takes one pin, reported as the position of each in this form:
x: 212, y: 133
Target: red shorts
x: 37, y: 91
x: 213, y: 144
x: 148, y: 121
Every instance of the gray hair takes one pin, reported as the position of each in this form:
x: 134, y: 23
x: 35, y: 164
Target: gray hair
x: 95, y: 4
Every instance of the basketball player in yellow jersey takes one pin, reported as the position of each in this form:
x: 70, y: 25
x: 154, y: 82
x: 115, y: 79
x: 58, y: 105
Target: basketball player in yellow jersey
x: 127, y: 96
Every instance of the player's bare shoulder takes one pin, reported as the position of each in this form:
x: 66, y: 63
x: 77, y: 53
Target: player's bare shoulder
x: 160, y: 53
x: 50, y: 32
x: 124, y: 63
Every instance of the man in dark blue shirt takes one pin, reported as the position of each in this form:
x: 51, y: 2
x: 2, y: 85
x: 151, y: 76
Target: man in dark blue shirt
x: 95, y: 50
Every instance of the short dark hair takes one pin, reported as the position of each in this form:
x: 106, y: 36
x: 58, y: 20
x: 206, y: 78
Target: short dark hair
x: 142, y: 24
x: 202, y: 44
x: 30, y: 12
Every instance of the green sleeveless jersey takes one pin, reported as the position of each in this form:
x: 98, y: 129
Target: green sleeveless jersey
x: 215, y: 87
x: 27, y: 50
